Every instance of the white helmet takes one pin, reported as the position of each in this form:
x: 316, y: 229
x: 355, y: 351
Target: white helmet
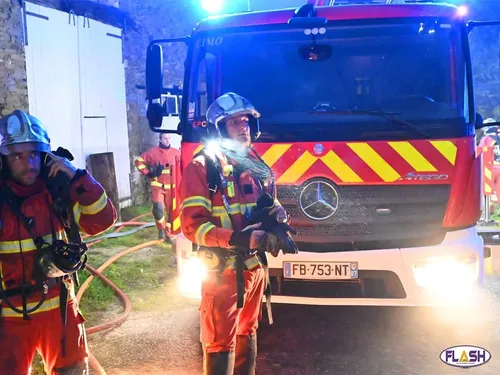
x: 19, y: 130
x: 228, y: 105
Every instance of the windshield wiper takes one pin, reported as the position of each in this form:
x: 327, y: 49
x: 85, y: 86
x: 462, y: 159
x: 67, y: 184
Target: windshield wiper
x: 391, y: 116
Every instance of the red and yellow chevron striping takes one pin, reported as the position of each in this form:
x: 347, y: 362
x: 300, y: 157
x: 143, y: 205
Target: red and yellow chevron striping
x: 175, y: 221
x: 378, y: 162
x: 487, y: 155
x: 359, y: 162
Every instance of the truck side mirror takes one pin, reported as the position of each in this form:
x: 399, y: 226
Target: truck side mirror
x: 479, y: 123
x: 154, y: 85
x: 154, y: 72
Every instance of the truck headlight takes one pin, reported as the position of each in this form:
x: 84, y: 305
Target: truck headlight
x: 446, y: 272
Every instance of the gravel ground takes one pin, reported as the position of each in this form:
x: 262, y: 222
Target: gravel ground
x: 311, y: 340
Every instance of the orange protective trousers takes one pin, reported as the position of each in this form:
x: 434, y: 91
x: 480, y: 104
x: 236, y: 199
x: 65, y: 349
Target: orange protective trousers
x: 20, y: 339
x: 221, y: 320
x: 161, y: 198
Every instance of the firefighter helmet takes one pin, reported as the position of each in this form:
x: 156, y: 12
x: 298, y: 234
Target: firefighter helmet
x: 229, y: 105
x: 18, y: 130
x: 491, y: 130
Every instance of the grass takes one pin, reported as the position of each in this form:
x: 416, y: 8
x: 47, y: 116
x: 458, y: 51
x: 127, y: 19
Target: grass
x: 133, y: 211
x: 495, y: 215
x: 139, y: 274
x: 143, y: 274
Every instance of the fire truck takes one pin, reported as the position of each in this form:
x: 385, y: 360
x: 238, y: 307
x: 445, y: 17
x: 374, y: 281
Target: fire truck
x: 368, y: 122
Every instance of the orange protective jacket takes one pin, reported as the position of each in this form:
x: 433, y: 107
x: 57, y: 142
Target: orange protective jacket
x: 487, y: 141
x: 205, y: 221
x: 94, y: 213
x: 154, y: 156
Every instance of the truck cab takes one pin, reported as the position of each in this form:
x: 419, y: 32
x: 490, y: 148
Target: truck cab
x: 368, y: 122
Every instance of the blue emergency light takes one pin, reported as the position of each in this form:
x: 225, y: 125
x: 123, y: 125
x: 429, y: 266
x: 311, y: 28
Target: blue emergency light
x: 212, y: 6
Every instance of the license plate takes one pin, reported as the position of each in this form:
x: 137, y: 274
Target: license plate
x: 321, y: 270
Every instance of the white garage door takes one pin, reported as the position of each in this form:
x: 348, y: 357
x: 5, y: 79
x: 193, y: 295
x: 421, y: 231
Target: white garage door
x: 76, y: 86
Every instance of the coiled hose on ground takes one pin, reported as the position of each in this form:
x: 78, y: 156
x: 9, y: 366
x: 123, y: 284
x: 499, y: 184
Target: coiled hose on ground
x: 115, y: 322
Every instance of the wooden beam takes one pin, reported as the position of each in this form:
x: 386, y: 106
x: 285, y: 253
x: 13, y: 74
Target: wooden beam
x: 102, y: 168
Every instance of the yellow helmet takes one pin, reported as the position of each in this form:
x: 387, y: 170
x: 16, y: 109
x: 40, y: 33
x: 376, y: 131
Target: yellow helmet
x: 21, y: 132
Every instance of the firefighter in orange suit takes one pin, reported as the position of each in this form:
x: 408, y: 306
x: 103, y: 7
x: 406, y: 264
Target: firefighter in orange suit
x: 216, y: 217
x: 155, y: 164
x: 38, y: 258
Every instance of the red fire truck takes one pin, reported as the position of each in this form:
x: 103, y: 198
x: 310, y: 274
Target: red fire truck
x: 368, y: 121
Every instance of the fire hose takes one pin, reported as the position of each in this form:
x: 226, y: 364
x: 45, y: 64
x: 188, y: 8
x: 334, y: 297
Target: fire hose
x: 115, y: 322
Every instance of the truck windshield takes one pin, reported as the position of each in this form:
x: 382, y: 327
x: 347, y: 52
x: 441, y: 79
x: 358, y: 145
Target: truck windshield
x: 394, y: 79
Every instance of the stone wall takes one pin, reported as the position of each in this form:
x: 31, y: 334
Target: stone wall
x: 13, y: 86
x: 155, y: 19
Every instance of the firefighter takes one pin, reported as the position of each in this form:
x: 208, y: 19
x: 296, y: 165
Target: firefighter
x: 155, y: 164
x: 38, y: 308
x: 218, y: 190
x: 491, y: 137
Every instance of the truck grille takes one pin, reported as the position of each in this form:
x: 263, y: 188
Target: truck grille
x: 411, y: 216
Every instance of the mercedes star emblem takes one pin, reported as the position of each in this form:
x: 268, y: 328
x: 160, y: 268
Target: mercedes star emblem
x: 319, y: 200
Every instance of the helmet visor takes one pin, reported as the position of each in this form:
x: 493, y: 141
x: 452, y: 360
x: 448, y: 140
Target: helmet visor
x: 12, y: 126
x: 24, y: 147
x: 229, y: 105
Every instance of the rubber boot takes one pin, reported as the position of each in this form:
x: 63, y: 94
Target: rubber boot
x: 161, y: 234
x: 221, y: 363
x: 246, y: 355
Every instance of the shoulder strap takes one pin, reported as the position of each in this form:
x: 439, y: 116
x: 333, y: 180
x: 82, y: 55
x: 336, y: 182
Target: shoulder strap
x: 59, y: 188
x: 213, y: 172
x: 215, y: 180
x: 61, y: 204
x: 9, y: 197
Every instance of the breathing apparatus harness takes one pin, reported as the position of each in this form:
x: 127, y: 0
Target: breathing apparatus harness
x: 217, y: 181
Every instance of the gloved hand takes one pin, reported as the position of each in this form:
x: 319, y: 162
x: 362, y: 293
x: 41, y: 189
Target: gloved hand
x: 155, y: 171
x: 249, y: 238
x: 281, y: 214
x: 271, y: 244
